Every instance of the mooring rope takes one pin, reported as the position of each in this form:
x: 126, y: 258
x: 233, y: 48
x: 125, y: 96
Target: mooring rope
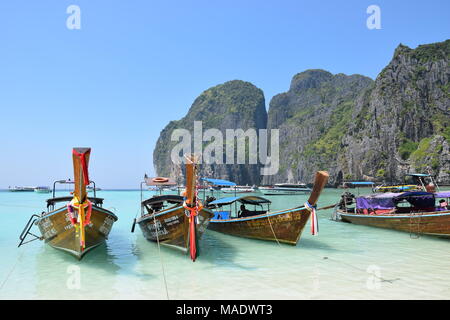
x: 354, y: 267
x: 12, y: 269
x: 161, y: 258
x: 273, y: 231
x: 362, y: 270
x: 411, y: 224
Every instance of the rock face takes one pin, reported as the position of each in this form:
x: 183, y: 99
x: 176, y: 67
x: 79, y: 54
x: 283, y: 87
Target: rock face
x: 312, y: 118
x: 403, y: 124
x: 232, y: 105
x: 359, y: 129
x: 350, y: 125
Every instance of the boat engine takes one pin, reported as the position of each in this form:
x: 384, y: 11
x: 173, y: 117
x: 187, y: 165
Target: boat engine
x: 347, y: 199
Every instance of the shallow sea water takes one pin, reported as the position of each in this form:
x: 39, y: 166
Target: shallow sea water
x: 344, y: 261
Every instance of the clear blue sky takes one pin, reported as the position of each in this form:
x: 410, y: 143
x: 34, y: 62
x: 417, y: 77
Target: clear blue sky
x: 136, y: 65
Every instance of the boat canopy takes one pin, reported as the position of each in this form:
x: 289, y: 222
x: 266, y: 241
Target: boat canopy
x: 390, y: 200
x: 360, y: 182
x: 442, y: 194
x: 52, y: 201
x: 243, y: 199
x: 418, y: 174
x: 402, y: 187
x: 219, y: 182
x: 171, y: 198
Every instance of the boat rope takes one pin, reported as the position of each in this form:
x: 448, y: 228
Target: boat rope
x: 414, y: 235
x: 13, y: 268
x: 160, y: 257
x: 362, y: 270
x: 353, y: 266
x: 314, y: 220
x: 273, y: 231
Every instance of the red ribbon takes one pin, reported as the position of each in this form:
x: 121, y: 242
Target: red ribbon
x: 192, y: 242
x: 72, y: 218
x: 82, y: 157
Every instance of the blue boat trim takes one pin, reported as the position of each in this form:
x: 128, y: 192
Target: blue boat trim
x: 261, y: 216
x: 220, y: 182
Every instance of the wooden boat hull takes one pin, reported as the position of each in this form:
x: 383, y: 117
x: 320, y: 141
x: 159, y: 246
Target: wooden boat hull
x: 283, y: 226
x: 58, y: 231
x: 429, y: 223
x: 173, y: 227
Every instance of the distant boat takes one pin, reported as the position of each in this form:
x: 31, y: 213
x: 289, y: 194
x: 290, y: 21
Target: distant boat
x: 90, y: 189
x: 418, y: 178
x: 42, y: 189
x: 285, y: 189
x: 283, y: 226
x: 398, y: 188
x: 238, y: 189
x: 356, y: 184
x: 21, y: 189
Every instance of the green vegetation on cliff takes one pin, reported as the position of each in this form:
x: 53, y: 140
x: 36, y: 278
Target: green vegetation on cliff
x: 232, y: 105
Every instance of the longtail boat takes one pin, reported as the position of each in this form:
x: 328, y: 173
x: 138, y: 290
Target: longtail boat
x: 416, y: 212
x: 418, y: 182
x: 283, y: 226
x: 81, y: 224
x: 174, y: 220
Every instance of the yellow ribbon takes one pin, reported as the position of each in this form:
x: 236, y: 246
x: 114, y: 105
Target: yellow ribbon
x: 79, y: 228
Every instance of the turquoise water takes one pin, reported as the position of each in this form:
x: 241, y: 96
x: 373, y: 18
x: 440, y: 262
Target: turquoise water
x: 343, y: 262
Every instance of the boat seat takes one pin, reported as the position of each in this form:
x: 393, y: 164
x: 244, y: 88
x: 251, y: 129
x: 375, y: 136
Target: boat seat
x: 53, y: 201
x: 251, y: 213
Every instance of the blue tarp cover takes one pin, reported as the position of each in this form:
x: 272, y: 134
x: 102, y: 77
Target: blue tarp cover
x: 418, y: 174
x: 389, y: 200
x: 442, y: 194
x: 219, y: 182
x: 360, y: 182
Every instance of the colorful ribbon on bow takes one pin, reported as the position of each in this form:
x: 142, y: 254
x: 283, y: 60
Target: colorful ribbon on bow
x: 193, y: 212
x: 83, y: 161
x: 314, y: 221
x: 82, y: 219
